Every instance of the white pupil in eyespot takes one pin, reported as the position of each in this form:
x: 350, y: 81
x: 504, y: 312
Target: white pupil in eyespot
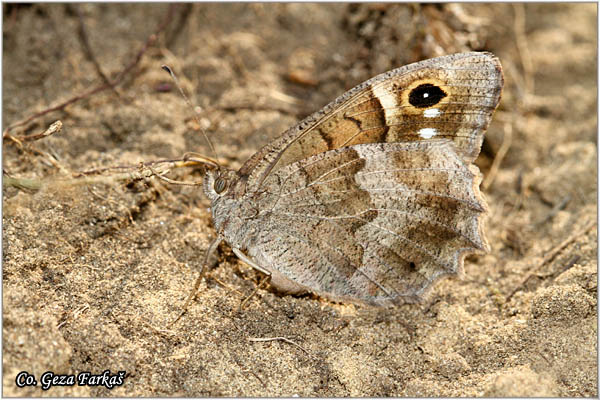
x: 425, y: 95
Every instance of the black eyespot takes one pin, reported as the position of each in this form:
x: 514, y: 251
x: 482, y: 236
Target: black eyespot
x: 220, y: 185
x: 426, y: 95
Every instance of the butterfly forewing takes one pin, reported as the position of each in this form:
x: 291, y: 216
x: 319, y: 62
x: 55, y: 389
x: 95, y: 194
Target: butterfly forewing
x: 450, y: 97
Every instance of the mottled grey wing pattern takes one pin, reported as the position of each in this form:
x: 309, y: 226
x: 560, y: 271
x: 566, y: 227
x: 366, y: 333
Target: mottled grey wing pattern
x: 374, y: 197
x: 377, y: 223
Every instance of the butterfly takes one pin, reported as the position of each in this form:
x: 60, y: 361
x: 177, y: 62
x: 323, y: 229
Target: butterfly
x: 374, y: 198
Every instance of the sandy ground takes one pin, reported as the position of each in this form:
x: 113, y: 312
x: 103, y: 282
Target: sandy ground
x: 93, y: 274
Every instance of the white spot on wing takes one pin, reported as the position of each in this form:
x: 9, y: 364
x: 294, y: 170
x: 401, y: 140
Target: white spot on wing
x: 432, y: 113
x: 427, y: 133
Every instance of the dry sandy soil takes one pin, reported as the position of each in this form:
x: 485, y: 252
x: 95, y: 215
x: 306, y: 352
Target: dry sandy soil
x: 95, y: 272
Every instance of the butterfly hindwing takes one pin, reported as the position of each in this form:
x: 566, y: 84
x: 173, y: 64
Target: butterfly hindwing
x: 373, y: 222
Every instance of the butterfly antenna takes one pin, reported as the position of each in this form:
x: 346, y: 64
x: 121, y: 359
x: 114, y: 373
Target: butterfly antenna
x: 196, y: 114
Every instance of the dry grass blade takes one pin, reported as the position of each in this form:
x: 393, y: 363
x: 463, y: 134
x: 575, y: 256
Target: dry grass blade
x: 281, y: 338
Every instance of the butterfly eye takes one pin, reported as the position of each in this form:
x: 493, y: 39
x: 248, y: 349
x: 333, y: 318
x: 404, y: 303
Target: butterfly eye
x: 220, y: 185
x: 426, y: 95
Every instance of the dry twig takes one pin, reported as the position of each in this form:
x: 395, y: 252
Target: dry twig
x: 523, y: 48
x: 283, y: 339
x: 506, y: 143
x: 87, y: 48
x: 550, y: 256
x: 90, y: 177
x: 112, y: 83
x: 52, y: 129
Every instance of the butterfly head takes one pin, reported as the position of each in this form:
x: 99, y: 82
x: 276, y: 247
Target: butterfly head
x: 218, y: 182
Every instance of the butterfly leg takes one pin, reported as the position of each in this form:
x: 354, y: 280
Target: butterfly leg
x: 211, y: 249
x: 260, y: 285
x: 251, y: 263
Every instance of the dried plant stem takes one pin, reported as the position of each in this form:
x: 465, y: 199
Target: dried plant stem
x: 135, y: 173
x: 87, y: 48
x: 506, y: 143
x: 550, y: 256
x: 106, y: 85
x: 523, y: 47
x: 281, y: 338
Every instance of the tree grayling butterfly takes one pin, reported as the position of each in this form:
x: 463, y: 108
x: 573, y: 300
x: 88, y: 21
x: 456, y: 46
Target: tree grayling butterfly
x: 373, y: 198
